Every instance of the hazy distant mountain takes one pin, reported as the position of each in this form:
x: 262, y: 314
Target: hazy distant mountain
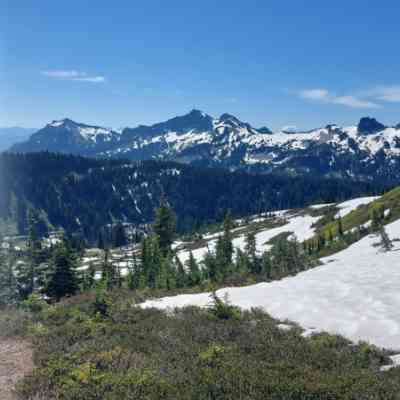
x: 12, y: 135
x: 366, y: 151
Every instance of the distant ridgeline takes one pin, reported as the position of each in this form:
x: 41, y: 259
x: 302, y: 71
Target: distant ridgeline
x: 82, y: 195
x: 367, y: 151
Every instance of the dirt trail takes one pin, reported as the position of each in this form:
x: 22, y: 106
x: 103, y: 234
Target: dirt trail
x: 15, y: 362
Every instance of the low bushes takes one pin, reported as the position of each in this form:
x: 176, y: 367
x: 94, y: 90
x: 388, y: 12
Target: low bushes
x: 192, y: 353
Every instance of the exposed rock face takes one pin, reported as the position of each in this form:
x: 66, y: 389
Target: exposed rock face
x: 368, y: 126
x: 364, y: 151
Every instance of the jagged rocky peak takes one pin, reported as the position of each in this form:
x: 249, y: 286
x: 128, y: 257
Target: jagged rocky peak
x: 194, y: 120
x: 369, y: 126
x: 331, y: 127
x: 397, y: 126
x: 229, y: 118
x: 62, y: 122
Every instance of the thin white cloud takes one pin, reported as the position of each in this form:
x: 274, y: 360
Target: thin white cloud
x: 323, y: 95
x: 387, y: 93
x: 314, y: 94
x: 354, y: 102
x: 73, y: 75
x: 93, y: 79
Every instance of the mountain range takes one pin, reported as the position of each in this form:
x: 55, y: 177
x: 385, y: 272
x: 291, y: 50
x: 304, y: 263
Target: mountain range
x: 366, y: 151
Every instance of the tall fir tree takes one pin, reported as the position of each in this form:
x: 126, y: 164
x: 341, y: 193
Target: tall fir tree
x: 181, y: 276
x: 251, y: 253
x: 109, y: 274
x: 224, y: 250
x: 340, y: 227
x: 31, y: 272
x: 165, y: 226
x: 63, y: 280
x: 194, y: 276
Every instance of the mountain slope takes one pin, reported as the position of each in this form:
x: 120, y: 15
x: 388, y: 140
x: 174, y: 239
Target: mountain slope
x: 368, y: 151
x: 67, y: 136
x: 353, y: 293
x: 85, y: 194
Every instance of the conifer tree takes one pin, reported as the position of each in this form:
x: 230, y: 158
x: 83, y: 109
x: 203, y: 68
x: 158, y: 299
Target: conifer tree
x: 266, y: 265
x: 134, y: 274
x: 340, y: 227
x: 241, y: 262
x: 227, y: 245
x: 376, y: 219
x: 194, y: 277
x: 30, y: 272
x: 171, y: 272
x: 181, y: 276
x: 63, y: 280
x: 165, y: 226
x: 251, y: 253
x: 154, y: 265
x: 89, y: 277
x: 161, y: 279
x: 224, y: 250
x: 109, y: 274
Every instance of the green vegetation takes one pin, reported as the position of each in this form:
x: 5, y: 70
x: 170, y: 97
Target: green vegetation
x: 99, y: 344
x: 108, y: 192
x: 335, y: 234
x: 220, y: 353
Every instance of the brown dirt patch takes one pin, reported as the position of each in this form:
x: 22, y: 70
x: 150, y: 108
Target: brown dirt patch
x: 15, y: 362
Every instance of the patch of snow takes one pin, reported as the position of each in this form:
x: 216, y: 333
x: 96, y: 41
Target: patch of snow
x: 355, y: 293
x: 350, y: 205
x: 285, y: 327
x: 317, y: 206
x: 395, y: 363
x: 299, y: 225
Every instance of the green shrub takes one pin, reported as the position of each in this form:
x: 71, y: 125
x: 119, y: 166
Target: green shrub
x: 222, y: 309
x: 193, y: 353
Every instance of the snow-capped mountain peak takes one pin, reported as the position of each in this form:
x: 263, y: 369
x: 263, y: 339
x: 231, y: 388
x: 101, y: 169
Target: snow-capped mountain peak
x: 358, y: 151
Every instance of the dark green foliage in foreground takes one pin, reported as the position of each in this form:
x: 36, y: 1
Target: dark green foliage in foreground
x: 130, y: 353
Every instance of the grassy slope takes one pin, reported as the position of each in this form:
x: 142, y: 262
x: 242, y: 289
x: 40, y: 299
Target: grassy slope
x: 363, y: 214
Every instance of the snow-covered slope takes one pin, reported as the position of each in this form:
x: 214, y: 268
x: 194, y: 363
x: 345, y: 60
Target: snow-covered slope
x: 68, y: 136
x: 355, y: 293
x: 366, y: 150
x: 297, y: 223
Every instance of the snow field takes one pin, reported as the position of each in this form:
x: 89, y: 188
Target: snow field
x: 355, y: 293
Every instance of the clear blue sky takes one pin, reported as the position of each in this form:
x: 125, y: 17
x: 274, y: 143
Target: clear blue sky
x: 124, y: 62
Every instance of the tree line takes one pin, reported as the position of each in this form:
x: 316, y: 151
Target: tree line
x: 51, y: 271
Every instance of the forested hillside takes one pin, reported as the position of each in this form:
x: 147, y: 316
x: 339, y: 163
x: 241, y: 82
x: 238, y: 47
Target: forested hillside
x: 83, y: 195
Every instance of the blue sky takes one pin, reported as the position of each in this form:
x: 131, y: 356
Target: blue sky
x: 274, y: 63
